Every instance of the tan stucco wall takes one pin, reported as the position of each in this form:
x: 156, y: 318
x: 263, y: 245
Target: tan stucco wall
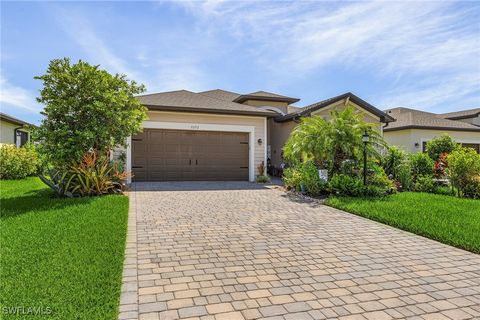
x: 340, y: 106
x: 202, y: 118
x: 7, y: 132
x: 407, y: 138
x: 278, y: 135
x: 283, y: 106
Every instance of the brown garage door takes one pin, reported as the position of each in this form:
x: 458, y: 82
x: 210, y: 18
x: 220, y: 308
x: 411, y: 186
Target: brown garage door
x: 170, y: 155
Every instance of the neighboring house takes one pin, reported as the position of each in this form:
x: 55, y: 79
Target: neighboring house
x: 13, y: 130
x: 222, y: 135
x: 471, y: 116
x: 413, y: 128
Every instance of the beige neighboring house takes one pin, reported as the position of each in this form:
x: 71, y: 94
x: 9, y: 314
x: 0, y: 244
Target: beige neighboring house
x: 222, y: 135
x: 13, y: 130
x: 413, y: 128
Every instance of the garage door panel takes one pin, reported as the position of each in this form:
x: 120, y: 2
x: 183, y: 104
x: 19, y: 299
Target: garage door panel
x: 139, y: 174
x: 189, y: 155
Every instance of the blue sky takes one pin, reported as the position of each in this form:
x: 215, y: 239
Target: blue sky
x: 424, y: 55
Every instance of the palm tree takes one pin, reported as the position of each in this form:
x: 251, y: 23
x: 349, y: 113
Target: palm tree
x: 330, y: 142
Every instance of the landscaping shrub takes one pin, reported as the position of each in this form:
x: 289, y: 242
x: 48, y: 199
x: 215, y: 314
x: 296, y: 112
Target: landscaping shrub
x: 311, y: 179
x: 464, y: 171
x: 262, y: 179
x: 292, y: 178
x: 18, y: 163
x: 421, y: 164
x: 392, y: 161
x: 94, y: 175
x: 261, y: 169
x: 472, y: 189
x: 374, y: 191
x: 346, y: 185
x: 444, y: 190
x: 424, y: 183
x: 378, y: 178
x: 440, y: 166
x: 439, y: 145
x: 349, y: 167
x: 304, y: 177
x: 405, y: 176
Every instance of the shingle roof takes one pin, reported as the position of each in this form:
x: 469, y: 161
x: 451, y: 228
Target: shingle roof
x: 264, y: 95
x: 472, y: 113
x: 183, y: 100
x: 221, y: 94
x: 13, y: 120
x: 306, y: 111
x: 415, y: 119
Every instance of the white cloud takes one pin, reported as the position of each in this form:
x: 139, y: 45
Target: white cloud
x: 81, y: 31
x: 160, y: 73
x: 18, y: 97
x: 428, y: 50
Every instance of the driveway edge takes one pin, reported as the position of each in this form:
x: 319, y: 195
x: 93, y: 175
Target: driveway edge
x: 128, y: 308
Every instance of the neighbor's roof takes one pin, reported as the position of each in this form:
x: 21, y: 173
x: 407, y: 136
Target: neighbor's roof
x: 472, y: 113
x: 13, y: 120
x: 183, y: 100
x: 416, y: 119
x: 306, y: 111
x: 265, y: 96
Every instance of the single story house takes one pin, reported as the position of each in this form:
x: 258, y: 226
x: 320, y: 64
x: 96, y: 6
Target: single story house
x: 13, y: 130
x: 222, y: 135
x: 414, y: 128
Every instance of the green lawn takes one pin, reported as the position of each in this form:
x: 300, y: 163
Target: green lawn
x: 447, y: 219
x: 64, y: 256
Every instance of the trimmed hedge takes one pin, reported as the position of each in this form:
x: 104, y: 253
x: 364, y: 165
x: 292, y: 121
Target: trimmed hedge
x: 18, y: 163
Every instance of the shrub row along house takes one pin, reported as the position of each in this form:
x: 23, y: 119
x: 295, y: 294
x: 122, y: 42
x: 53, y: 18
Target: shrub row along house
x: 223, y: 135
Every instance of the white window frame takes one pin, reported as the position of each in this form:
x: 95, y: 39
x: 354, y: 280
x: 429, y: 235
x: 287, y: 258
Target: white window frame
x: 201, y: 127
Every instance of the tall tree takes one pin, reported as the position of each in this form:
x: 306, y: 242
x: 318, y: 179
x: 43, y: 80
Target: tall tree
x: 86, y: 108
x: 332, y: 141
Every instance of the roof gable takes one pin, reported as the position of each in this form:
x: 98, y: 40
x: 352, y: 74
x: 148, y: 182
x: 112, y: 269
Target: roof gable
x: 265, y: 96
x: 221, y: 94
x: 307, y: 111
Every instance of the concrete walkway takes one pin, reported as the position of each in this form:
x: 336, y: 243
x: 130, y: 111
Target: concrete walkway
x: 241, y: 251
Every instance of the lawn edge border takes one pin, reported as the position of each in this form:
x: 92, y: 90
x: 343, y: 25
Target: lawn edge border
x: 128, y: 307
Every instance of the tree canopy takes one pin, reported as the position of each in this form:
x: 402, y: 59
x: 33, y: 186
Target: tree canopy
x: 439, y: 145
x: 330, y: 142
x: 86, y: 108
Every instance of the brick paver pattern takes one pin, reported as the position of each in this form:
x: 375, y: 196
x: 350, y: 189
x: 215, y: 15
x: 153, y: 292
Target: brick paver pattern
x: 236, y: 251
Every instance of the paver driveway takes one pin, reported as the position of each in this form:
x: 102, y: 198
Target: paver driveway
x: 228, y: 251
